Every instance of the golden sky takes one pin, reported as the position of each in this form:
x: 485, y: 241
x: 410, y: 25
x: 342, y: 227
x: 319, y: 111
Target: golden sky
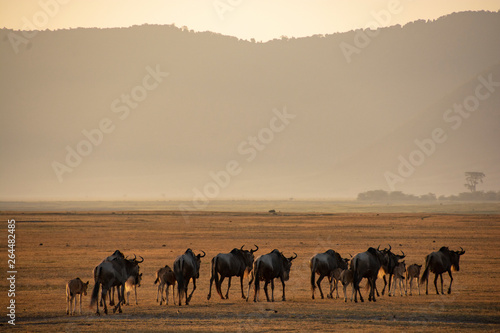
x: 259, y: 19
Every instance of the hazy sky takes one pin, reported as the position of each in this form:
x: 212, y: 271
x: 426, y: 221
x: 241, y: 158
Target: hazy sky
x: 259, y: 19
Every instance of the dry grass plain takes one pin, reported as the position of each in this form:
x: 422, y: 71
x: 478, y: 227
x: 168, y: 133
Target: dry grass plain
x: 54, y: 247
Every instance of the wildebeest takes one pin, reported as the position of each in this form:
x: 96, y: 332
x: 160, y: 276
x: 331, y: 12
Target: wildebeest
x: 238, y: 262
x: 113, y: 273
x: 268, y: 267
x: 367, y: 265
x: 346, y: 277
x: 391, y: 262
x: 413, y: 272
x: 111, y: 293
x: 74, y: 288
x: 399, y: 275
x: 165, y: 277
x: 439, y: 262
x: 324, y: 264
x: 187, y: 267
x: 131, y: 284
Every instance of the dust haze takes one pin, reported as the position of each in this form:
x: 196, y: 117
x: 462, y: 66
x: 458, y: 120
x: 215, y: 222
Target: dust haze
x: 158, y: 112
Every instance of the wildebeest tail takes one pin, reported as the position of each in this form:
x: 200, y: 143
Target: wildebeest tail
x: 256, y: 275
x: 95, y: 291
x: 179, y: 276
x: 157, y: 277
x: 312, y: 265
x: 425, y: 274
x: 354, y: 267
x: 215, y: 275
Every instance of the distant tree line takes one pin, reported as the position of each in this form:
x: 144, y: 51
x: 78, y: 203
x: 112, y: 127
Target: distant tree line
x: 385, y: 196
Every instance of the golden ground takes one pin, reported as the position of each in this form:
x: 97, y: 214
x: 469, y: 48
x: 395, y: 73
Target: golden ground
x: 52, y: 248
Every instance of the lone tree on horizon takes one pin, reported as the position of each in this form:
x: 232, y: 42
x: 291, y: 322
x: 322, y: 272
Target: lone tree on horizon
x: 472, y: 179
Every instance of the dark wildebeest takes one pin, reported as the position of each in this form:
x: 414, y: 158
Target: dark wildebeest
x: 439, y: 262
x: 391, y: 262
x: 74, y: 288
x: 113, y: 273
x: 268, y: 267
x: 399, y: 275
x: 165, y: 277
x: 324, y: 264
x: 367, y: 265
x: 187, y: 267
x: 238, y: 262
x: 111, y: 292
x: 413, y: 272
x: 131, y: 284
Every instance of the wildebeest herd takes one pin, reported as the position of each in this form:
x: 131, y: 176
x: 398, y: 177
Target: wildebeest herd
x: 122, y: 274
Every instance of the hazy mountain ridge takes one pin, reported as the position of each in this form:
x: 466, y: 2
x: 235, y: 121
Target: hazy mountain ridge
x: 221, y: 90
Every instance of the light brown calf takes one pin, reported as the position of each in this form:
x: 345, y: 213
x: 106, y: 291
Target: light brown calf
x: 73, y: 288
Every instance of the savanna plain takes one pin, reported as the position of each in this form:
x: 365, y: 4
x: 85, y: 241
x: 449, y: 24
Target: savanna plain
x: 54, y: 247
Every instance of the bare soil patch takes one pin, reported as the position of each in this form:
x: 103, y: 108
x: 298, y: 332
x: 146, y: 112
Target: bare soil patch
x: 54, y: 247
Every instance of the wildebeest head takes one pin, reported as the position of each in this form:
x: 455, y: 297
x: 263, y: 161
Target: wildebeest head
x: 85, y: 287
x: 390, y: 259
x: 198, y: 261
x: 287, y: 264
x: 247, y: 256
x: 454, y: 257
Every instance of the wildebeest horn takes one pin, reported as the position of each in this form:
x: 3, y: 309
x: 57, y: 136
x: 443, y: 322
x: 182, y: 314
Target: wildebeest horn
x: 142, y: 259
x: 204, y: 254
x: 256, y: 248
x: 378, y: 248
x: 403, y: 253
x: 291, y: 258
x: 461, y: 251
x: 350, y: 254
x: 242, y: 247
x: 134, y: 258
x: 390, y: 247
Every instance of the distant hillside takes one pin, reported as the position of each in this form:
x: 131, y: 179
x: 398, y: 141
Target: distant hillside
x: 352, y: 120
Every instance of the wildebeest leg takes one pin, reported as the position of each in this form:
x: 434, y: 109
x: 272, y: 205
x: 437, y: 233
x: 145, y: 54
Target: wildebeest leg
x: 212, y: 278
x: 272, y: 290
x: 385, y: 285
x: 228, y: 285
x: 389, y: 286
x: 112, y: 296
x: 355, y: 285
x: 441, y: 276
x: 345, y: 292
x: 418, y: 284
x: 265, y: 290
x: 68, y: 304
x: 120, y: 290
x: 283, y: 284
x: 336, y: 287
x: 255, y: 288
x: 241, y: 282
x: 318, y: 283
x: 103, y: 297
x: 192, y: 291
x: 373, y: 285
x: 80, y: 303
x: 329, y: 295
x: 166, y: 292
x: 435, y: 282
x: 173, y: 292
x: 451, y: 281
x: 161, y: 287
x: 135, y: 291
x: 221, y: 279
